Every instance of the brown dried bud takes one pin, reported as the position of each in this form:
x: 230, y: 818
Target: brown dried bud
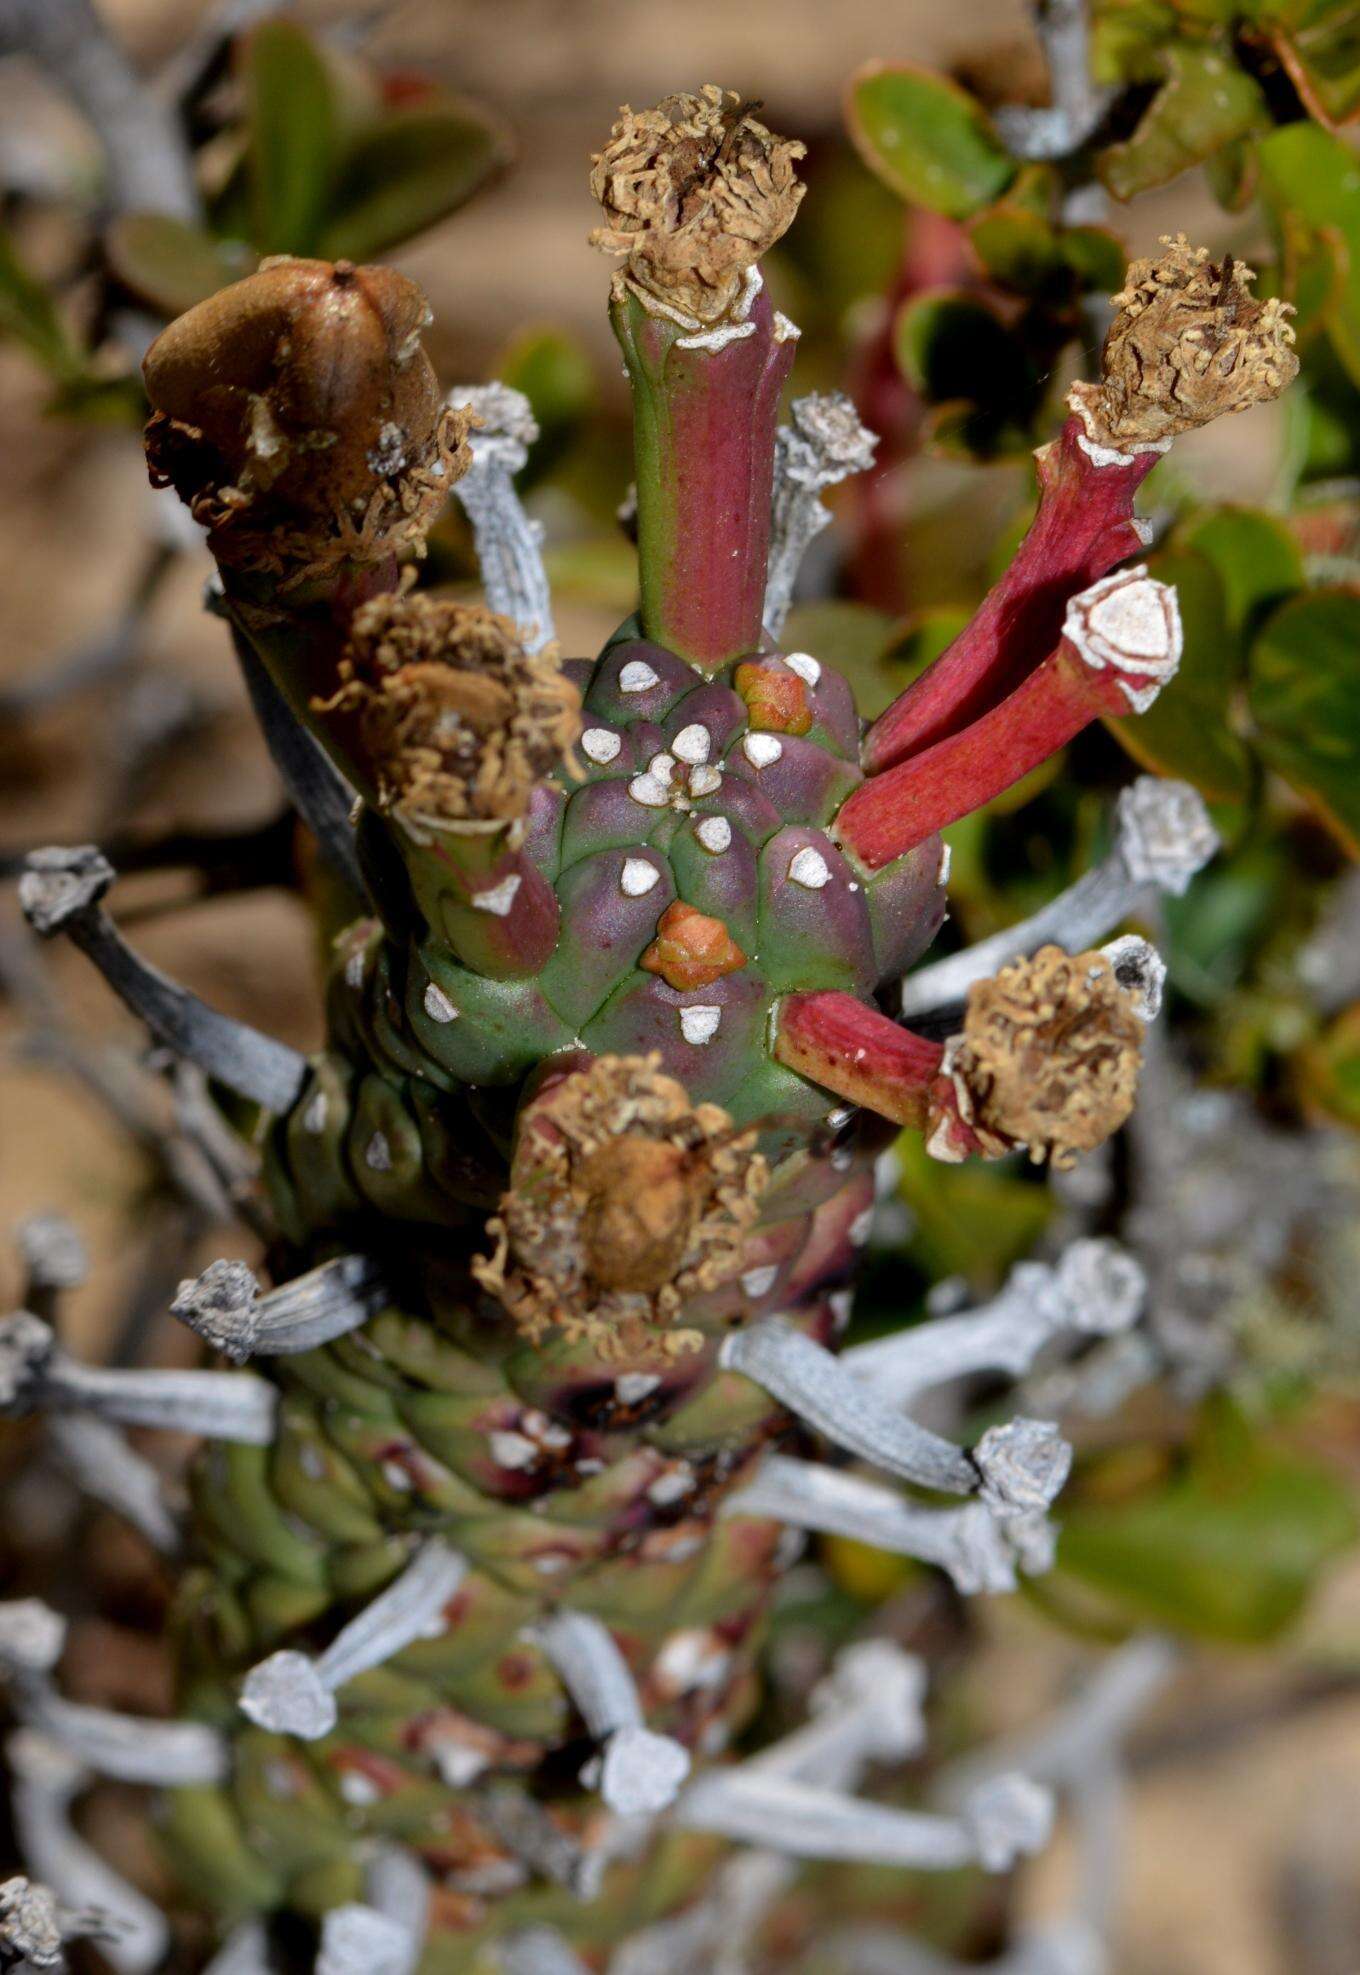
x: 694, y: 192
x: 299, y: 403
x: 456, y: 721
x: 1048, y: 1058
x: 625, y: 1201
x: 1189, y: 343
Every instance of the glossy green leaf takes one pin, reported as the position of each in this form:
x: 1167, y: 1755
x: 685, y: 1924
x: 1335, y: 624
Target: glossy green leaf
x: 170, y: 264
x: 1229, y: 1548
x: 927, y: 139
x: 1188, y: 730
x: 407, y: 171
x: 292, y: 119
x: 1304, y: 684
x: 1258, y: 560
x: 29, y: 314
x: 1309, y: 174
x: 1205, y: 102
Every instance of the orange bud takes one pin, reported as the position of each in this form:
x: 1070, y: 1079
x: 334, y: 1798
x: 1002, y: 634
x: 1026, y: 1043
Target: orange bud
x: 776, y: 699
x: 690, y: 949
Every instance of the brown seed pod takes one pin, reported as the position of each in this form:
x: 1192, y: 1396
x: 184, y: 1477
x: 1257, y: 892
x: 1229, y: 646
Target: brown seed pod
x: 1189, y: 343
x: 693, y: 193
x: 1048, y: 1057
x: 625, y: 1201
x: 300, y: 403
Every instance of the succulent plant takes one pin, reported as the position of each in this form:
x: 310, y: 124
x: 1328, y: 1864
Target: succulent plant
x: 482, y: 1550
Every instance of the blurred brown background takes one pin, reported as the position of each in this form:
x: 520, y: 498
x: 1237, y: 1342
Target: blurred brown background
x: 1231, y: 1829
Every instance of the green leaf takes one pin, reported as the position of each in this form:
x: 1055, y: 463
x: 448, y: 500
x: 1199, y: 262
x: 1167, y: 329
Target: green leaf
x: 1323, y: 61
x: 1258, y: 560
x: 555, y: 373
x: 1206, y: 102
x: 1229, y: 1549
x: 1310, y: 176
x: 169, y: 263
x: 406, y: 172
x: 292, y: 119
x: 971, y: 1220
x: 927, y: 139
x: 1187, y: 730
x: 1304, y: 690
x: 29, y: 314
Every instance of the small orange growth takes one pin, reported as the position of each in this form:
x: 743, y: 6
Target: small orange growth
x: 690, y: 949
x: 776, y: 702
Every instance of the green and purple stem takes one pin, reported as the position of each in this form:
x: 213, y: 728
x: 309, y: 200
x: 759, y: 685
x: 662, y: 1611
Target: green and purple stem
x: 704, y: 423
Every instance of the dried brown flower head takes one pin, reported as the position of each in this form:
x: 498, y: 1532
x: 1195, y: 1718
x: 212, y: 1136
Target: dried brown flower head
x: 694, y: 192
x: 298, y: 415
x: 456, y: 721
x: 1049, y: 1054
x: 1189, y: 343
x: 625, y: 1200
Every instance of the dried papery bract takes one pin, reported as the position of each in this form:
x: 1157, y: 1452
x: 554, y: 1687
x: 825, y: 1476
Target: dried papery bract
x: 1189, y: 343
x: 299, y: 417
x: 1047, y: 1059
x: 693, y: 193
x: 625, y: 1201
x: 457, y: 722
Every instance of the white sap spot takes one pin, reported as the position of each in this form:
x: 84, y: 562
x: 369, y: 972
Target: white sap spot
x: 673, y: 1486
x: 550, y: 1565
x: 946, y: 864
x: 500, y: 898
x: 860, y: 1227
x: 437, y: 1004
x: 1133, y: 620
x: 810, y: 869
x: 638, y: 677
x: 699, y: 1025
x: 314, y: 1117
x: 354, y: 969
x: 512, y: 1450
x: 637, y: 877
x: 758, y: 1282
x: 395, y: 1475
x: 784, y: 330
x: 715, y: 834
x: 378, y: 1154
x: 630, y: 1387
x: 762, y: 750
x: 692, y: 744
x: 649, y: 792
x: 662, y: 766
x: 704, y: 780
x: 805, y: 665
x: 599, y: 745
x: 358, y: 1789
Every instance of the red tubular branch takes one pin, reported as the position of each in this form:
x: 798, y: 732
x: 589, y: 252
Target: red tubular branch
x: 1121, y: 643
x: 852, y: 1049
x: 1083, y: 528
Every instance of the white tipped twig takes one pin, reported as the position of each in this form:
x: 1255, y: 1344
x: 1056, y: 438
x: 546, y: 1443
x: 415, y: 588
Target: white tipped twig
x: 60, y: 892
x: 970, y: 1544
x: 226, y: 1308
x: 35, y: 1925
x: 128, y: 1748
x: 1006, y: 1818
x: 45, y: 1780
x: 868, y: 1709
x: 149, y: 167
x: 509, y: 545
x: 54, y: 1259
x: 292, y: 1694
x: 538, y: 1951
x: 1163, y: 836
x: 824, y: 443
x: 397, y: 1886
x: 313, y: 784
x: 103, y: 1465
x: 36, y: 1374
x: 812, y: 1383
x: 639, y: 1772
x: 1139, y: 967
x: 1078, y: 102
x: 1095, y: 1289
x: 1090, y: 1728
x: 1017, y: 1468
x: 244, y: 1952
x: 358, y: 1940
